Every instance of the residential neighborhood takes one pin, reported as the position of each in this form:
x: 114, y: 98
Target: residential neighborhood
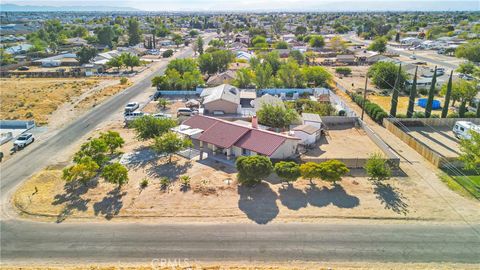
x: 198, y: 135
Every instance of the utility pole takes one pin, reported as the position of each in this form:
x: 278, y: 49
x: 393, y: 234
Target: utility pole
x: 364, y: 96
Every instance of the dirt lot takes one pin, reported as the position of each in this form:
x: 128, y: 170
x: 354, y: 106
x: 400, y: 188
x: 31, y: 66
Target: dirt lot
x: 348, y: 142
x: 37, y: 98
x: 441, y: 139
x: 215, y: 196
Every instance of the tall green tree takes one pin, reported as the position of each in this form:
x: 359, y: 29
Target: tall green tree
x: 310, y: 171
x: 276, y: 116
x: 106, y: 35
x: 446, y: 103
x: 317, y: 41
x: 115, y: 173
x: 289, y: 171
x: 130, y: 60
x: 470, y: 152
x: 431, y: 94
x: 379, y: 45
x: 148, y: 127
x: 134, y: 32
x: 252, y: 169
x: 85, y: 54
x: 412, y: 96
x: 83, y: 171
x: 394, y: 101
x: 169, y: 143
x: 112, y: 139
x: 200, y: 44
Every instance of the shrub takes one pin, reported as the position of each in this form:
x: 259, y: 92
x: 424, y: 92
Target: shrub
x: 377, y: 167
x: 470, y: 115
x: 144, y: 183
x: 423, y: 91
x: 401, y: 115
x: 453, y: 115
x: 418, y: 115
x: 164, y: 182
x: 167, y: 53
x: 123, y: 81
x: 343, y: 70
x: 252, y: 169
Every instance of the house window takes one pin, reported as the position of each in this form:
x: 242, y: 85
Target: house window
x: 246, y: 152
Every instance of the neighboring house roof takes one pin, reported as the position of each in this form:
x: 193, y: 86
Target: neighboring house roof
x: 346, y: 57
x: 312, y: 117
x: 225, y: 134
x: 222, y: 92
x: 221, y: 78
x: 309, y: 129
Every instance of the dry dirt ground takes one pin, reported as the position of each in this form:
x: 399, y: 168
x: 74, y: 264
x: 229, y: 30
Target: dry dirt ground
x: 37, y: 98
x: 251, y: 266
x: 215, y: 196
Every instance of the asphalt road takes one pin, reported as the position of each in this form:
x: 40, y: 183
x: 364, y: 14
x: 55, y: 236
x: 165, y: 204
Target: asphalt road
x: 25, y: 241
x: 118, y: 243
x: 406, y: 53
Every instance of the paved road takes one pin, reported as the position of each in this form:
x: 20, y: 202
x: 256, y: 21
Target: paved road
x: 30, y: 242
x: 407, y: 53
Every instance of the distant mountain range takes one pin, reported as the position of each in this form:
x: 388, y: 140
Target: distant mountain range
x: 27, y: 8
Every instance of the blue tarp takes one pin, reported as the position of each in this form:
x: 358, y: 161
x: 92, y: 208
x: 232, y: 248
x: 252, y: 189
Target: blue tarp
x: 422, y: 102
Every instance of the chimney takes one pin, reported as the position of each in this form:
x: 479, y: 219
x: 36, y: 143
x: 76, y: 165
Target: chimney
x: 254, y: 122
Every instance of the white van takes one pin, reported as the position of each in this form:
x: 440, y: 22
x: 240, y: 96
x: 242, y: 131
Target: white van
x: 463, y: 129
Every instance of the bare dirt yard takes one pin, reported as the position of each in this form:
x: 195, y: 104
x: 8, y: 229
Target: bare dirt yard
x: 214, y: 195
x: 37, y: 98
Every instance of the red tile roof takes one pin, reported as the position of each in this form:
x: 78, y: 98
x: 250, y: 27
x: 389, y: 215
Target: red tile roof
x: 201, y: 122
x: 261, y: 142
x: 223, y: 134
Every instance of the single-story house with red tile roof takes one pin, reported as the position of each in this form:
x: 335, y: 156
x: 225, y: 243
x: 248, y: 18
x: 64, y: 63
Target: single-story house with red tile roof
x: 233, y: 139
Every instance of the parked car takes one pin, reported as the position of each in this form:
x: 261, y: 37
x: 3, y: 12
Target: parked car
x: 23, y: 140
x: 413, y: 57
x: 132, y: 106
x: 463, y: 129
x: 162, y: 115
x: 130, y: 116
x: 23, y: 68
x: 466, y: 77
x: 157, y: 95
x: 184, y: 111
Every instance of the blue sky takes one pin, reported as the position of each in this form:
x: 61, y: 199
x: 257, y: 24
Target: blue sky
x: 284, y: 5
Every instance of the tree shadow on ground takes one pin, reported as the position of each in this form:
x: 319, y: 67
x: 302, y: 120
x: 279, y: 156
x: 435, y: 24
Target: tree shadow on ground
x: 110, y: 205
x: 321, y: 197
x: 171, y: 170
x: 141, y: 157
x: 391, y: 198
x: 259, y: 203
x: 292, y: 198
x: 72, y: 198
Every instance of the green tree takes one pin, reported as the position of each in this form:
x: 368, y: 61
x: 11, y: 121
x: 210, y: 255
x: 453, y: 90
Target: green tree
x: 470, y: 151
x: 115, y: 173
x: 317, y: 41
x: 379, y: 45
x: 162, y: 103
x: 84, y: 170
x: 115, y: 62
x: 177, y: 39
x: 85, y: 54
x: 169, y: 143
x: 216, y: 43
x: 290, y: 75
x: 310, y: 170
x: 95, y: 148
x: 377, y: 167
x: 276, y: 116
x: 448, y: 93
x: 297, y: 56
x: 281, y: 45
x: 431, y: 95
x: 384, y: 75
x: 112, y: 139
x: 467, y: 68
x: 5, y: 58
x: 412, y: 96
x: 105, y: 36
x: 130, y: 60
x: 469, y: 51
x: 259, y: 42
x: 244, y: 78
x: 263, y: 76
x: 134, y: 32
x: 252, y: 169
x: 338, y: 44
x: 217, y: 61
x: 332, y: 170
x: 394, y: 101
x: 167, y: 53
x: 316, y: 76
x: 199, y: 46
x: 148, y: 127
x: 289, y: 171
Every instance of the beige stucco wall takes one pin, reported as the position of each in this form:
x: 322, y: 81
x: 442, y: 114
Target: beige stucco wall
x: 221, y: 105
x: 286, y: 150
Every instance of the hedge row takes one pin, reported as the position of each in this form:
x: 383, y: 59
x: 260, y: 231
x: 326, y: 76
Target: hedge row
x: 372, y: 109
